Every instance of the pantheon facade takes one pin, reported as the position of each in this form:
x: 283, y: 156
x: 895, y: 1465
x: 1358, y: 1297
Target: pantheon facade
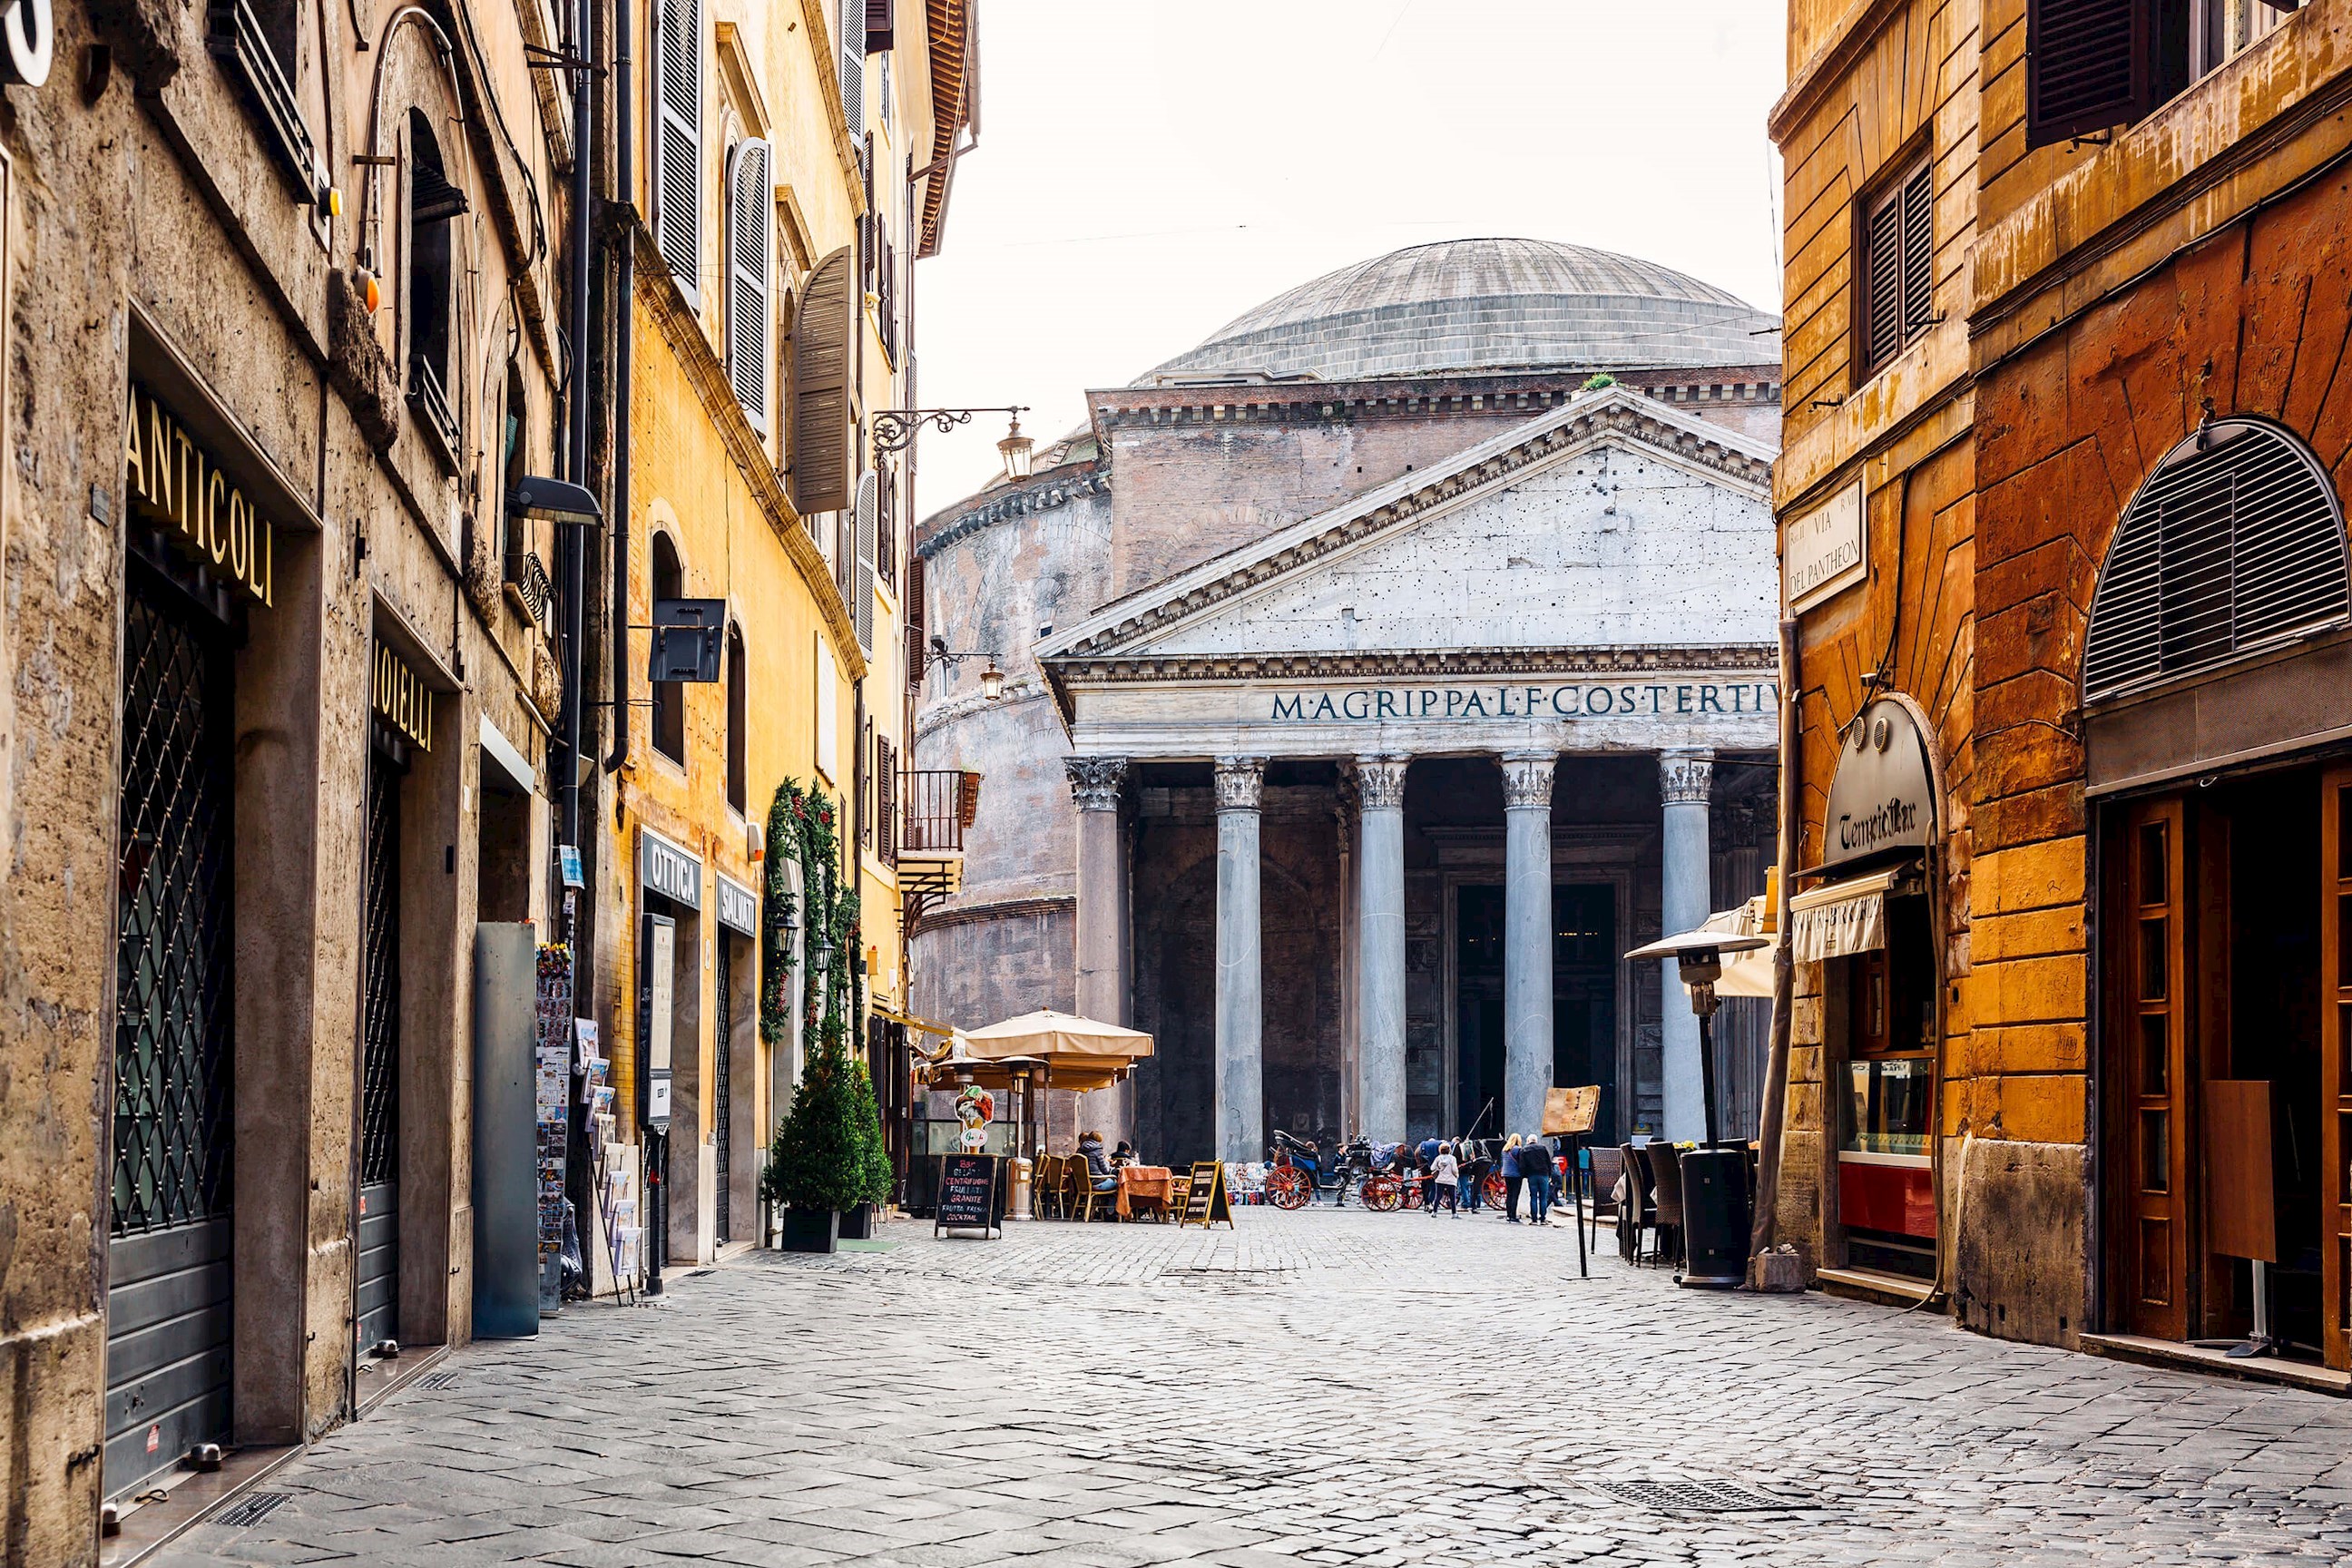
x: 1378, y: 673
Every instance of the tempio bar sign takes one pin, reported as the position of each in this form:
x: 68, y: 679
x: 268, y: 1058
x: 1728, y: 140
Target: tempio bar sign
x: 178, y: 482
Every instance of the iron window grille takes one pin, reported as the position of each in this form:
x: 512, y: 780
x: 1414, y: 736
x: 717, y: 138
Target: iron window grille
x: 173, y: 1019
x: 432, y: 405
x: 2235, y: 543
x: 237, y: 37
x: 379, y: 1018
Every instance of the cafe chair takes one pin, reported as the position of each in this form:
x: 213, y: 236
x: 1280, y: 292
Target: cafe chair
x: 1045, y: 1190
x: 1666, y: 1181
x: 1633, y: 1215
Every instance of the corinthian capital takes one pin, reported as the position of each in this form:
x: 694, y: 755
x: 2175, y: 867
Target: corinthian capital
x: 1685, y: 777
x: 1526, y: 780
x: 1380, y: 782
x: 1241, y: 783
x: 1095, y: 781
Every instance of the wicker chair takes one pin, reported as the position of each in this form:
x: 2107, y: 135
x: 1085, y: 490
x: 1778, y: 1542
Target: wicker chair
x: 1667, y: 1173
x: 1046, y: 1189
x: 1635, y: 1214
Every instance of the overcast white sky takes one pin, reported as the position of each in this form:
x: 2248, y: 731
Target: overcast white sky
x: 1150, y: 169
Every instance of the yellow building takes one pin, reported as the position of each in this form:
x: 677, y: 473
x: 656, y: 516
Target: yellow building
x: 793, y: 163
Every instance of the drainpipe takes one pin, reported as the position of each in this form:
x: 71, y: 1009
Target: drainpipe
x: 624, y: 305
x: 1784, y: 968
x: 575, y: 416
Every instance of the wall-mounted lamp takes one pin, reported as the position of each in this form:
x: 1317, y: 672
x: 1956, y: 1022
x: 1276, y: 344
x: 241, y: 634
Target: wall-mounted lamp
x: 542, y: 499
x: 894, y: 428
x: 992, y: 679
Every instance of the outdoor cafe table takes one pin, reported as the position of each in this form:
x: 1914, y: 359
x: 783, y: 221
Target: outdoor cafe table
x: 1151, y: 1183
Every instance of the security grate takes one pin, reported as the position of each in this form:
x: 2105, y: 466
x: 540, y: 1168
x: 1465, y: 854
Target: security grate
x: 2234, y: 543
x: 1696, y: 1497
x: 380, y: 1060
x: 722, y: 1106
x: 172, y: 1027
x: 251, y: 1510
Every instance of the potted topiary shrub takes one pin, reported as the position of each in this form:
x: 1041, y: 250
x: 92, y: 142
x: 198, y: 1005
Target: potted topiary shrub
x: 875, y: 1177
x: 816, y: 1162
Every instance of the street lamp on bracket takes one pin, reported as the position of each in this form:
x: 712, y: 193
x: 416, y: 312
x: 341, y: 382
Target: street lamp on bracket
x: 894, y: 429
x: 992, y: 679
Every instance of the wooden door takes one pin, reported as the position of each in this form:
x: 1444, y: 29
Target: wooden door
x: 2150, y: 1148
x: 2336, y: 1064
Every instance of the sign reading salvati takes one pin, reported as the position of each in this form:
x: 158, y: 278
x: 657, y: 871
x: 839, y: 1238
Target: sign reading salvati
x: 180, y: 486
x: 1705, y: 697
x: 402, y: 698
x: 1882, y: 796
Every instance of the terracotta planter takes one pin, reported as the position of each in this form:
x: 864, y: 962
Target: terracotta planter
x: 806, y: 1231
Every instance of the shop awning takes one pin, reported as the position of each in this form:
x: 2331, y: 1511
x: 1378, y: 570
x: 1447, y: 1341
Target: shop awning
x: 1839, y: 919
x: 1746, y: 973
x: 921, y: 1026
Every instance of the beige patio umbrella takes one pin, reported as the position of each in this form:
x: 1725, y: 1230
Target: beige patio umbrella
x: 1079, y: 1053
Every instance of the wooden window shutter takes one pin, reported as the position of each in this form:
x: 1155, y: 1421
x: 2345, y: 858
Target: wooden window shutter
x: 886, y: 529
x: 1920, y: 251
x: 861, y: 582
x: 853, y: 65
x: 880, y: 35
x: 677, y: 142
x: 748, y: 204
x: 1882, y: 302
x: 886, y: 799
x: 821, y: 458
x: 2086, y: 66
x: 917, y: 643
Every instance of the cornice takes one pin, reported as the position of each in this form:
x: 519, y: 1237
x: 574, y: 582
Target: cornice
x: 998, y: 909
x: 1528, y: 394
x: 681, y: 330
x: 1164, y: 605
x: 1019, y: 689
x: 1853, y: 33
x: 1429, y: 664
x: 1043, y: 492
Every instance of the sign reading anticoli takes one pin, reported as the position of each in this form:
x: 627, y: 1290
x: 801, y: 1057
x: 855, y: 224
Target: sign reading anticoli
x: 1620, y: 699
x: 178, y: 483
x: 1826, y: 549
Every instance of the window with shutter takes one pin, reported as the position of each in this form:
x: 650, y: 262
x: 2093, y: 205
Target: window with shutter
x: 880, y: 39
x: 821, y: 460
x: 861, y: 583
x: 676, y: 171
x: 917, y: 622
x: 2234, y: 544
x: 2088, y: 65
x: 853, y: 64
x: 750, y: 224
x: 886, y: 799
x: 886, y: 532
x: 1896, y: 277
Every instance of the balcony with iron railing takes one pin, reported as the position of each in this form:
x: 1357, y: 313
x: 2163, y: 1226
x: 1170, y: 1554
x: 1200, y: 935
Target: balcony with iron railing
x: 927, y: 821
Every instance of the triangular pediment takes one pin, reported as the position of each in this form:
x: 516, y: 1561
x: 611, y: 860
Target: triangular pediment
x: 1612, y: 522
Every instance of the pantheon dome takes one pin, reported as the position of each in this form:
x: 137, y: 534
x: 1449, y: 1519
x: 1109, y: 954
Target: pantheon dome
x: 1467, y: 305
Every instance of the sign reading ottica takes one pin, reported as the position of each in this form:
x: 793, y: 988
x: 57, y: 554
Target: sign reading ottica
x: 1883, y: 795
x: 179, y: 486
x: 669, y: 870
x: 1704, y: 697
x: 1826, y: 550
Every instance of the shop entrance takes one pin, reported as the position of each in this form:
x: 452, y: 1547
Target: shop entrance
x: 2229, y: 1000
x: 722, y: 1091
x: 376, y: 1311
x: 169, y: 1288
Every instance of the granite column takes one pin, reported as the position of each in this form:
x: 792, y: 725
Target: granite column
x: 1241, y: 1053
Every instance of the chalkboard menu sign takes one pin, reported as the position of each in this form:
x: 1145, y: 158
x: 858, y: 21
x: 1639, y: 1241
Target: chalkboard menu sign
x: 967, y: 1194
x: 1205, y: 1202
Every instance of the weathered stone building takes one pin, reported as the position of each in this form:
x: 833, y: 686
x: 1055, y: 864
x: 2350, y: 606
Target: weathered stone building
x: 283, y: 294
x: 2061, y: 508
x: 1271, y: 626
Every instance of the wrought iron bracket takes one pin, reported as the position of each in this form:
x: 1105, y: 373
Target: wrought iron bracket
x: 894, y: 428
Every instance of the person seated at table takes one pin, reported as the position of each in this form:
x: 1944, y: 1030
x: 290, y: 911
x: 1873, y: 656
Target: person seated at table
x: 1099, y: 1166
x: 1125, y: 1154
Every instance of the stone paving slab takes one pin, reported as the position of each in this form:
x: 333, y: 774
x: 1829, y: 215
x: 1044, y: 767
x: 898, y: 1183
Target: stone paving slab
x: 1353, y: 1389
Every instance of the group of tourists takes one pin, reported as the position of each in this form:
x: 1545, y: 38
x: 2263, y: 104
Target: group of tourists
x: 1453, y: 1172
x: 1102, y: 1166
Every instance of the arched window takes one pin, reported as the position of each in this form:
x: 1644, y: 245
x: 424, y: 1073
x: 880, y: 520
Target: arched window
x: 430, y: 282
x: 2234, y: 544
x: 738, y: 781
x: 669, y: 696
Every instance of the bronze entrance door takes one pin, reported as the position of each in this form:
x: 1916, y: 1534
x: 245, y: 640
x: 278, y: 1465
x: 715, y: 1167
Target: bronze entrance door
x: 2147, y: 1148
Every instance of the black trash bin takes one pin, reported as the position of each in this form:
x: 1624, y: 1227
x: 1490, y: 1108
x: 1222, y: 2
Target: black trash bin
x: 1715, y: 1219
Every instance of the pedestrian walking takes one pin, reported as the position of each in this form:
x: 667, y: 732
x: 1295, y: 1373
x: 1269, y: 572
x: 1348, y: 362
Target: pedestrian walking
x: 1511, y: 1180
x: 1466, y: 1184
x: 1536, y: 1170
x: 1445, y: 1173
x: 1424, y: 1158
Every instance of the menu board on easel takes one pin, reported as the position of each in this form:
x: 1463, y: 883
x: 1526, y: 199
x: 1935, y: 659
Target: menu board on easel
x: 967, y: 1194
x: 1205, y: 1202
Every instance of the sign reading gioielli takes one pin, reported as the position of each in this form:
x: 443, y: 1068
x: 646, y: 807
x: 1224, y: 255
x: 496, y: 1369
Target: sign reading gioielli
x: 179, y: 486
x: 403, y: 698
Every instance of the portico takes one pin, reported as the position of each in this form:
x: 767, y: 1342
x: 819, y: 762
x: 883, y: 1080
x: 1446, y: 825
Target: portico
x: 1404, y: 778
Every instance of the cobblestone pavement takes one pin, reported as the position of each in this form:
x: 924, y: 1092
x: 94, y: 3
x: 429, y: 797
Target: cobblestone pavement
x: 1326, y: 1388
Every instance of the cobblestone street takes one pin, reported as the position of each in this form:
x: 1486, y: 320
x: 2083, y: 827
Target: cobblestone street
x: 1340, y: 1388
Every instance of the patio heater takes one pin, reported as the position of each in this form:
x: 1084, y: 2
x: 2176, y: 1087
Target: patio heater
x: 1715, y: 1177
